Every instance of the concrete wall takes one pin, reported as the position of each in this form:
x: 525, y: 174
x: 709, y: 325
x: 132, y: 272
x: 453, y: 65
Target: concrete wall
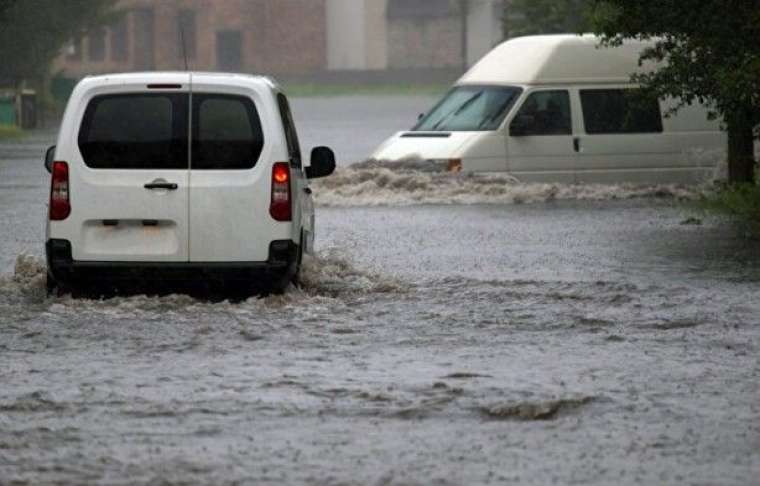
x: 484, y: 28
x: 356, y: 35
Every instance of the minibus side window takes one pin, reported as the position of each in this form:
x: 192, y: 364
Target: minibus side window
x: 543, y: 113
x: 227, y: 133
x: 616, y: 111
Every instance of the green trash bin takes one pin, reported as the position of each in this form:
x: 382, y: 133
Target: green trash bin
x: 7, y: 110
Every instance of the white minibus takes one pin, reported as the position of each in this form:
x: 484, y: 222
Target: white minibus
x: 560, y: 108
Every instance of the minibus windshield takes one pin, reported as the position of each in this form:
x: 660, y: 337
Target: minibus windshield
x: 470, y: 109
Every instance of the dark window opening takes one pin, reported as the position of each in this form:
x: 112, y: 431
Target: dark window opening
x: 135, y: 131
x: 291, y: 136
x: 119, y: 40
x: 227, y: 133
x: 187, y: 33
x: 97, y: 45
x: 614, y: 111
x: 544, y: 113
x: 429, y: 9
x: 229, y: 50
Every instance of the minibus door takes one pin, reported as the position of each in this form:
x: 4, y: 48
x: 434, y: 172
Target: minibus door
x: 540, y: 142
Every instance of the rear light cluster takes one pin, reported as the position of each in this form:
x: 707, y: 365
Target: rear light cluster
x: 60, y: 206
x: 280, y: 205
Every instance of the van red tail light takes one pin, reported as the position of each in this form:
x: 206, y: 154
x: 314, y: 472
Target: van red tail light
x: 280, y: 206
x: 60, y: 206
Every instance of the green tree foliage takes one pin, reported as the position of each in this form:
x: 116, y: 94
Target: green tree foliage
x: 32, y: 32
x: 530, y: 17
x: 707, y: 50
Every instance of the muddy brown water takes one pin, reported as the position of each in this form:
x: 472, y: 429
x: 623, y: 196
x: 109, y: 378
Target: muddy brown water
x: 574, y: 339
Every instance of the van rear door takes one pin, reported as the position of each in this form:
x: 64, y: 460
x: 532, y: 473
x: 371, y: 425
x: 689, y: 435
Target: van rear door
x: 231, y: 175
x: 130, y: 178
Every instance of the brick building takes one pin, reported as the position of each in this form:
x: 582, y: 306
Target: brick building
x: 282, y: 37
x: 288, y: 37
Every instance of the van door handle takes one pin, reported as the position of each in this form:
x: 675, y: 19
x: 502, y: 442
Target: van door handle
x: 577, y: 144
x: 307, y: 190
x: 170, y: 186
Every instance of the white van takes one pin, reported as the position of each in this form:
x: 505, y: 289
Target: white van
x: 175, y: 178
x: 561, y: 108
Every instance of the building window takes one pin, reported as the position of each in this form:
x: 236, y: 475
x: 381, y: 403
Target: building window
x: 229, y: 50
x: 97, y: 45
x: 187, y: 32
x: 119, y: 40
x: 430, y: 9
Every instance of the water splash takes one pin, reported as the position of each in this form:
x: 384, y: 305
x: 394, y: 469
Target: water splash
x: 400, y: 184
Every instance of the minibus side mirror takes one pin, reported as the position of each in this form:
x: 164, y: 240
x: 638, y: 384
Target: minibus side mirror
x: 49, y: 156
x: 521, y: 125
x: 322, y: 163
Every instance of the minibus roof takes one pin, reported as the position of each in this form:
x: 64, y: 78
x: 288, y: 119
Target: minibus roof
x: 558, y: 59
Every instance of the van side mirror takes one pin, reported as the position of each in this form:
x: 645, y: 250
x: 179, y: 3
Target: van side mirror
x: 322, y: 163
x: 521, y: 125
x: 49, y: 156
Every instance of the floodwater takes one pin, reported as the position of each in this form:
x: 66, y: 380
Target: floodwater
x: 450, y: 330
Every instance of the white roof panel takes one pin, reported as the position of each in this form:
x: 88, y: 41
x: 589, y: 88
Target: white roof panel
x: 557, y: 59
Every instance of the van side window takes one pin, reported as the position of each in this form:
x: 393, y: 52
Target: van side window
x: 294, y: 149
x: 611, y: 111
x: 544, y: 113
x: 227, y: 133
x: 135, y: 131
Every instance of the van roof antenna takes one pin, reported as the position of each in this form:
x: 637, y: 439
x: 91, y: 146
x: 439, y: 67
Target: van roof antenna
x: 182, y: 41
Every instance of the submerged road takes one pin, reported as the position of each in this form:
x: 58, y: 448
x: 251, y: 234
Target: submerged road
x: 567, y: 341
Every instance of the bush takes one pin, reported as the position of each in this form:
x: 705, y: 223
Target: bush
x: 741, y: 202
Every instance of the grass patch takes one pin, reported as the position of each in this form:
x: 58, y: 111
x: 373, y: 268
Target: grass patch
x: 741, y: 203
x: 322, y: 90
x: 10, y: 132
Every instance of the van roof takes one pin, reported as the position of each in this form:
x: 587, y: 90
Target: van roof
x: 178, y: 77
x: 557, y: 59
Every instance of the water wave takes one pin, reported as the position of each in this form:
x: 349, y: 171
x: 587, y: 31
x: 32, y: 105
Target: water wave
x: 330, y: 274
x: 402, y: 184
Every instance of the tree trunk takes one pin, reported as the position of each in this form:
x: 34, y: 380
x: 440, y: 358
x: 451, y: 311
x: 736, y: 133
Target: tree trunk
x: 741, y: 149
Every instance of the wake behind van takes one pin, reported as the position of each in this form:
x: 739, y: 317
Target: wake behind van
x: 559, y: 108
x: 179, y: 178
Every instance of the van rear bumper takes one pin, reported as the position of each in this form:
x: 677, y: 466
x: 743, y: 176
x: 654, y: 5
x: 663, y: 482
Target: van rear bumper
x: 276, y: 272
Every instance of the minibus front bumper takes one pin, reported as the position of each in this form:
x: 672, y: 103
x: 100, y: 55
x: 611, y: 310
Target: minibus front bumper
x: 274, y: 273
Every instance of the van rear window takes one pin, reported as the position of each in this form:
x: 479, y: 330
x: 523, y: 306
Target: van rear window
x: 227, y: 132
x: 135, y: 131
